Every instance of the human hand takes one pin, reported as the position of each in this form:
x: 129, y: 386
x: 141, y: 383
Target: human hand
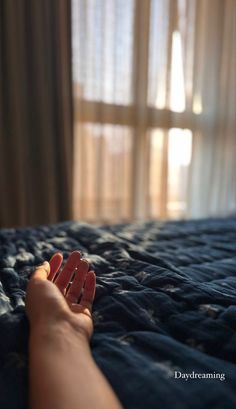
x: 52, y: 295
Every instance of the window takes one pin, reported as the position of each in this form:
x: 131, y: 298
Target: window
x: 134, y: 108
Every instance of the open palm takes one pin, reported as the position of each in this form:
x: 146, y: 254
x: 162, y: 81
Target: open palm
x: 68, y: 293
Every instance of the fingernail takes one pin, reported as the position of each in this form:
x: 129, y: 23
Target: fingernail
x: 46, y: 266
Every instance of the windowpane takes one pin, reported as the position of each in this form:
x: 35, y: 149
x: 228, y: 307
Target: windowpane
x: 177, y: 92
x: 103, y: 50
x: 170, y: 158
x: 158, y: 54
x: 103, y: 172
x: 171, y: 59
x: 179, y: 158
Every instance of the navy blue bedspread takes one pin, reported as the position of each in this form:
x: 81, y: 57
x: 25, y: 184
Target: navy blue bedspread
x: 165, y: 307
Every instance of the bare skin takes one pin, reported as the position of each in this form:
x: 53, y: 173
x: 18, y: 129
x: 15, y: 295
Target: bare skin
x: 63, y: 373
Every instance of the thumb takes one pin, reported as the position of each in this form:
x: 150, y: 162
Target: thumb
x: 42, y: 271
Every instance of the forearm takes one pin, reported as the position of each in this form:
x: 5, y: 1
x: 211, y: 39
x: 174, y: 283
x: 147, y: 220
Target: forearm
x: 63, y: 373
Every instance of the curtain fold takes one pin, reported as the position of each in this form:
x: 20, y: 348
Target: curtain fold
x: 211, y: 181
x: 36, y: 115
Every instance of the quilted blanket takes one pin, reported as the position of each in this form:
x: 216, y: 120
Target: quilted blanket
x: 164, y: 313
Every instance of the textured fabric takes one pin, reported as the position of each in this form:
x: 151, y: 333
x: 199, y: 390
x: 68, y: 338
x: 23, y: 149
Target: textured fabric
x: 35, y: 112
x: 165, y: 302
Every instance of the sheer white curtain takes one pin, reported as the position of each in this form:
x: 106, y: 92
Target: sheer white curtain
x: 154, y: 93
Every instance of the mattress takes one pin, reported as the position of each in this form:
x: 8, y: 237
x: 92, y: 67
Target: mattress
x: 164, y: 312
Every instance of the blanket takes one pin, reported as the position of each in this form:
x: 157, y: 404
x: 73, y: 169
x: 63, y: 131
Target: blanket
x: 164, y: 312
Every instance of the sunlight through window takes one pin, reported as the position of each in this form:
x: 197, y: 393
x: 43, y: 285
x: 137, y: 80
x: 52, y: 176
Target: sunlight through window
x: 197, y: 104
x: 179, y: 159
x: 177, y: 94
x: 180, y: 147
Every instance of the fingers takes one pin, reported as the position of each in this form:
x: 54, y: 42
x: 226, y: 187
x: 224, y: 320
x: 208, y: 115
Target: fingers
x: 74, y: 291
x: 55, y: 264
x: 83, y: 279
x: 64, y: 277
x: 41, y: 272
x: 89, y: 290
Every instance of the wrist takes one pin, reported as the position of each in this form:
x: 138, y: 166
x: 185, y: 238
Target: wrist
x: 61, y: 333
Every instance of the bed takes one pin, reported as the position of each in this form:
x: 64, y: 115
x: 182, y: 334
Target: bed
x: 164, y: 313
